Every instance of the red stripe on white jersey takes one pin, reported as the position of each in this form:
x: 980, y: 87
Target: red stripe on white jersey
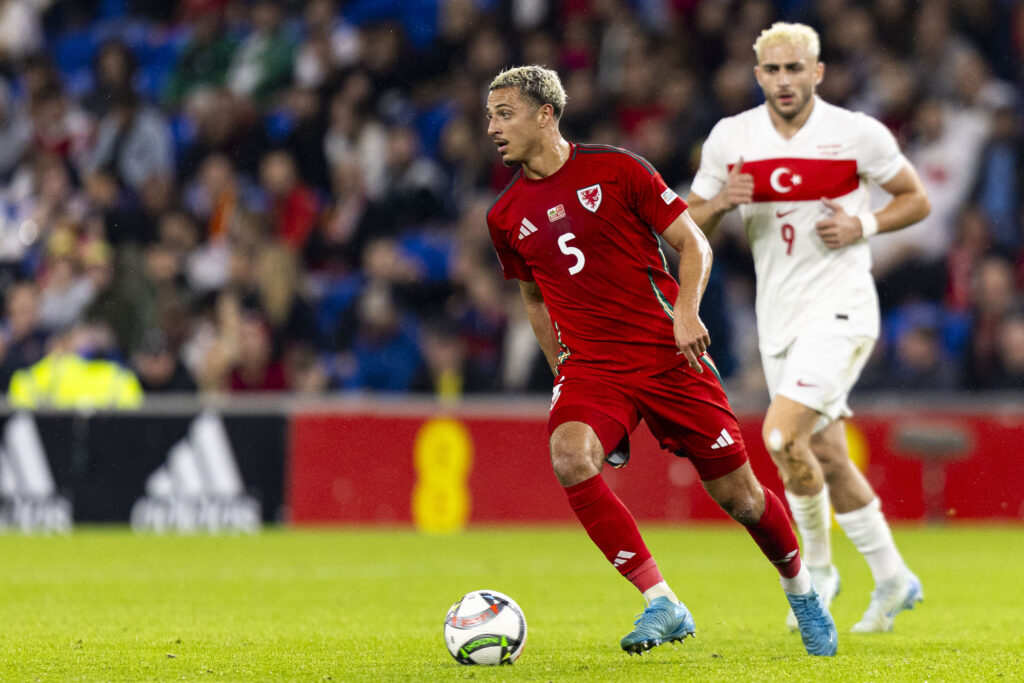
x: 796, y: 180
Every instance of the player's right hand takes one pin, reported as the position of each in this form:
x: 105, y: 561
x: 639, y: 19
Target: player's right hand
x: 739, y: 188
x: 692, y: 339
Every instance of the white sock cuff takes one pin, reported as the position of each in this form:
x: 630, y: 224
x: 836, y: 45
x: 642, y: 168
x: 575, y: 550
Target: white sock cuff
x: 866, y: 528
x: 659, y: 589
x: 811, y: 503
x: 864, y: 514
x: 799, y: 584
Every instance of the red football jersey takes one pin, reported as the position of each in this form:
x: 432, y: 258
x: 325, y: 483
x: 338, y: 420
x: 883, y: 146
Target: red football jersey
x: 587, y: 236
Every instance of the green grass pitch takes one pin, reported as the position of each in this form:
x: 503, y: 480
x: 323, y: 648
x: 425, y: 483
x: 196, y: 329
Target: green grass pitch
x: 105, y: 604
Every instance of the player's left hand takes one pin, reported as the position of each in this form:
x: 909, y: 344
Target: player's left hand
x: 840, y: 229
x: 692, y: 338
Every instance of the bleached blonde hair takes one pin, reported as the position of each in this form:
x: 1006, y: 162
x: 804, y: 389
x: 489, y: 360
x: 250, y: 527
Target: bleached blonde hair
x: 783, y: 33
x: 541, y: 86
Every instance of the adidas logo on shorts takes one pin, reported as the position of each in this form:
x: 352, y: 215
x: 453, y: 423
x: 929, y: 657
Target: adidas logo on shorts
x: 723, y: 440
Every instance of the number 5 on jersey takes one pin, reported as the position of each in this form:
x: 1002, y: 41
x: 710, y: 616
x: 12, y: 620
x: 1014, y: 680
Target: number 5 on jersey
x: 563, y: 244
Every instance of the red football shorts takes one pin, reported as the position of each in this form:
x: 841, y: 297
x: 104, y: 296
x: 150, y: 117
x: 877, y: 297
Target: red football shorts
x: 686, y: 411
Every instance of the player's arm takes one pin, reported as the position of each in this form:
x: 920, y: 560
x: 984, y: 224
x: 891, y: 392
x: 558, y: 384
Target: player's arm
x: 738, y: 189
x: 540, y: 320
x: 694, y: 270
x: 909, y: 204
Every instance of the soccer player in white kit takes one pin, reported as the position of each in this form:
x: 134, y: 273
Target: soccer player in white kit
x: 797, y: 168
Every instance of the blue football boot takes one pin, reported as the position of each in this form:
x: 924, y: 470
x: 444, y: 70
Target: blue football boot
x: 817, y: 629
x: 663, y: 622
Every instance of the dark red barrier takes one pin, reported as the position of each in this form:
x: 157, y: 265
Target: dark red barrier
x: 441, y: 470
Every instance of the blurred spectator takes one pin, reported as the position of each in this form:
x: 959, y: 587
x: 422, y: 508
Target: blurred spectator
x: 908, y: 262
x: 15, y: 132
x: 577, y: 50
x: 217, y: 204
x: 446, y: 372
x: 305, y: 139
x: 113, y: 70
x: 920, y: 363
x: 387, y: 61
x: 256, y: 367
x: 384, y: 351
x: 414, y: 184
x: 40, y: 203
x: 1001, y: 177
x: 21, y: 28
x: 331, y: 43
x: 305, y: 373
x: 59, y: 127
x: 158, y: 368
x: 233, y: 351
x: 133, y: 143
x: 935, y: 49
x: 587, y: 109
x: 293, y: 206
x: 222, y: 126
x: 274, y: 284
x: 77, y: 372
x: 974, y: 86
x: 524, y: 369
x: 465, y: 162
x: 22, y: 338
x: 165, y: 288
x: 1010, y: 344
x: 65, y: 290
x: 479, y: 314
x: 263, y: 60
x: 637, y: 101
x: 110, y: 303
x: 204, y: 60
x: 353, y: 135
x: 993, y: 300
x: 973, y: 242
x: 337, y: 239
x: 689, y: 117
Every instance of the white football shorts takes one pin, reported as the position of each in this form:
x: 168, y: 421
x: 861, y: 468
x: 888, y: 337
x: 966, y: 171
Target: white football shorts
x: 819, y: 372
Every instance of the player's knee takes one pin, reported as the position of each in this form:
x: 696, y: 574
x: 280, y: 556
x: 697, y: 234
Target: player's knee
x: 779, y: 441
x: 740, y: 495
x: 572, y: 461
x: 746, y: 507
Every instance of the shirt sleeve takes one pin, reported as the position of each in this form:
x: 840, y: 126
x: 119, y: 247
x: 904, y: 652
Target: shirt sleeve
x: 653, y: 201
x: 878, y: 154
x: 512, y: 264
x: 714, y: 167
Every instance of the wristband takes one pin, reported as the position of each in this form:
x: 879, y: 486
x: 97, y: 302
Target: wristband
x: 868, y: 224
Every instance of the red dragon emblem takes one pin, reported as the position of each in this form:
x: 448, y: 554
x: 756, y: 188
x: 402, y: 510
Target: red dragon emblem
x: 590, y: 197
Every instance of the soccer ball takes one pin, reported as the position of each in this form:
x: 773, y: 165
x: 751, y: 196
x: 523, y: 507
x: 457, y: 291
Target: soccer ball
x: 485, y: 627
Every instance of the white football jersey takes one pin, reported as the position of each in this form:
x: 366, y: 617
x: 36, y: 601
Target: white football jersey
x: 803, y: 287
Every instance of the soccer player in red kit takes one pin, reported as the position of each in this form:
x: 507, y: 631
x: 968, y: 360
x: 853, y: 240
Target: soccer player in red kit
x: 578, y: 226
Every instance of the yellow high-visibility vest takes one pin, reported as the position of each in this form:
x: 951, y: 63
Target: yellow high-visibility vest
x: 66, y: 380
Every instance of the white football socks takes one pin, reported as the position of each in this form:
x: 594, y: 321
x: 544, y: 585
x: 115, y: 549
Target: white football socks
x: 869, y: 532
x: 658, y: 590
x: 813, y: 517
x: 799, y: 584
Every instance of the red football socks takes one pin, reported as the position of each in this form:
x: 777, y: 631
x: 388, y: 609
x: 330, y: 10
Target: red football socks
x: 612, y: 528
x: 773, y: 533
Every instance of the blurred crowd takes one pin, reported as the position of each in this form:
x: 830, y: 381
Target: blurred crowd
x: 289, y: 195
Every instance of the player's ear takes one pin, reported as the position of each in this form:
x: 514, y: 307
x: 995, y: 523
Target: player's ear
x: 819, y: 72
x: 545, y: 115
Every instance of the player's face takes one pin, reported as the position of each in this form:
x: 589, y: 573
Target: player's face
x: 513, y: 124
x: 788, y: 75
